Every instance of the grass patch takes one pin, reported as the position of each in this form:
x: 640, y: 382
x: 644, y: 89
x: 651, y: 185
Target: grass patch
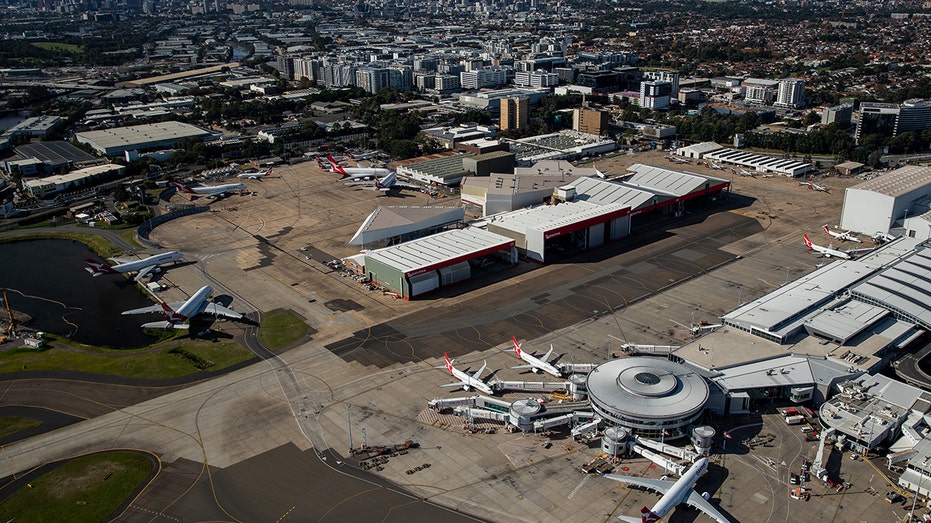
x: 97, y: 243
x: 159, y: 362
x: 130, y: 236
x: 88, y: 488
x: 10, y: 425
x: 281, y: 328
x: 59, y: 46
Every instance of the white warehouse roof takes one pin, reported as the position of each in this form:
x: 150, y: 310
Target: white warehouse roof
x: 387, y: 222
x: 898, y: 182
x: 678, y: 183
x: 549, y: 217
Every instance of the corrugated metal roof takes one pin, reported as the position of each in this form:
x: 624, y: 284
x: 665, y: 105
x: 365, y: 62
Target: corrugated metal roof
x: 548, y: 217
x: 386, y: 222
x: 904, y: 286
x: 438, y: 248
x: 678, y: 183
x: 603, y: 192
x: 898, y: 182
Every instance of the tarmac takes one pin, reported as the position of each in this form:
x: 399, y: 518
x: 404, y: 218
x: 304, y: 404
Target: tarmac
x: 249, y: 445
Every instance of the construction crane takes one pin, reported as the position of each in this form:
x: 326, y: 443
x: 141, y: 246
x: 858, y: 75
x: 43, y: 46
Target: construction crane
x: 9, y: 333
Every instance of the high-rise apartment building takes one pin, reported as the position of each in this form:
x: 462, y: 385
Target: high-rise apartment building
x: 655, y: 94
x: 665, y: 76
x: 791, y: 93
x: 515, y: 113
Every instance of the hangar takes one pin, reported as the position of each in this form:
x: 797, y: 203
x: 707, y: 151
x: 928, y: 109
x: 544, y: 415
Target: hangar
x: 397, y: 224
x: 420, y: 266
x: 565, y: 228
x: 110, y: 142
x: 891, y: 197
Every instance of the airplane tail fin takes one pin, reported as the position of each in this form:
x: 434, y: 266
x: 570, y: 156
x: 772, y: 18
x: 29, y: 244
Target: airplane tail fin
x: 172, y: 316
x: 183, y: 188
x: 449, y: 363
x: 648, y: 516
x: 807, y: 241
x: 268, y: 172
x: 826, y: 230
x: 517, y: 348
x: 337, y: 168
x: 97, y: 268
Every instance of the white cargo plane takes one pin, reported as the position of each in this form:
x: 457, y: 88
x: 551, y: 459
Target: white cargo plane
x: 743, y: 172
x: 467, y: 381
x: 827, y: 252
x: 212, y: 191
x: 673, y: 494
x: 255, y: 175
x: 535, y: 364
x: 178, y: 313
x: 144, y: 266
x: 842, y: 236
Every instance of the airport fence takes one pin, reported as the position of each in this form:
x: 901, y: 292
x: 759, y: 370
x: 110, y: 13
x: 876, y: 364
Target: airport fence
x: 147, y: 226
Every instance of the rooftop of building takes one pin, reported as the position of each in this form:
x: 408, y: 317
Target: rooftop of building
x: 898, y: 182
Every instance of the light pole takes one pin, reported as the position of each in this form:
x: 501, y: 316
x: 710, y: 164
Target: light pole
x: 921, y: 475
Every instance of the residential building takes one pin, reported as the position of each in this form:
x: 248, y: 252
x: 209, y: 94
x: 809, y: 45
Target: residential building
x: 791, y: 93
x: 487, y: 77
x: 514, y: 113
x: 591, y: 121
x: 655, y: 94
x: 839, y: 114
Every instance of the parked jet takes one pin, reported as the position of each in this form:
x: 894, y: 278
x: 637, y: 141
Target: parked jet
x: 178, y: 313
x: 674, y: 493
x: 356, y: 172
x: 144, y: 266
x: 815, y: 186
x: 466, y: 381
x: 256, y: 174
x: 213, y: 191
x: 827, y: 252
x: 743, y: 172
x: 842, y: 236
x: 388, y: 183
x: 363, y: 156
x: 715, y: 166
x: 535, y: 364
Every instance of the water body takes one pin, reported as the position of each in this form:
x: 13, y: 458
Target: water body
x: 46, y: 280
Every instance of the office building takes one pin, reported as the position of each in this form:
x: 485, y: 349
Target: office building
x: 892, y: 119
x: 591, y: 121
x: 514, y: 113
x: 655, y: 94
x: 665, y: 76
x: 839, y: 114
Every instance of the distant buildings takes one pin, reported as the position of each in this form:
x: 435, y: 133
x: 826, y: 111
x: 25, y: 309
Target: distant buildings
x: 591, y: 121
x: 655, y: 94
x: 892, y: 119
x: 839, y: 114
x: 111, y: 142
x: 791, y: 93
x: 514, y: 113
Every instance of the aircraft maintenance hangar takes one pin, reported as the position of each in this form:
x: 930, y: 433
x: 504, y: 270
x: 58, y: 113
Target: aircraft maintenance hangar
x: 426, y: 264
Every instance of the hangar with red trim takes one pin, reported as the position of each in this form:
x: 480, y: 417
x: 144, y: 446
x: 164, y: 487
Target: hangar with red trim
x: 417, y: 267
x: 565, y: 228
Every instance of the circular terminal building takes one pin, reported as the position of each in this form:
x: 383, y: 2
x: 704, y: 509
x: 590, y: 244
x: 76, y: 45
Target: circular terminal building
x: 648, y: 396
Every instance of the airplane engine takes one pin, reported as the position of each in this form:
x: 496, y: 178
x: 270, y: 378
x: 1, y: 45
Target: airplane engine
x: 705, y: 495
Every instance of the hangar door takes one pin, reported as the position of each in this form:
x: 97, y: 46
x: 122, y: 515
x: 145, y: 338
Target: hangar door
x: 455, y: 273
x: 425, y: 282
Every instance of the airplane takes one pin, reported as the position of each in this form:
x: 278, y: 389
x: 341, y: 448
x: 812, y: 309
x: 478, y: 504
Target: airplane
x: 815, y: 186
x: 213, y: 191
x: 363, y: 156
x: 743, y: 172
x: 255, y: 175
x: 827, y: 252
x: 467, y: 381
x: 674, y: 159
x: 842, y: 236
x: 356, y: 172
x: 388, y: 183
x: 535, y: 364
x: 144, y: 266
x: 682, y: 491
x: 715, y: 166
x: 177, y: 313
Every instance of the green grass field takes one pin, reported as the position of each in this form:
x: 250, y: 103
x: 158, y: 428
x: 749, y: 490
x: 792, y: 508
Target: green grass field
x: 86, y: 489
x: 171, y: 359
x: 281, y: 328
x: 10, y: 425
x: 61, y: 47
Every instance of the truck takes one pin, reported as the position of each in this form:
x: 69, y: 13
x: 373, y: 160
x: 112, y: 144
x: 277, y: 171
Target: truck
x: 794, y: 420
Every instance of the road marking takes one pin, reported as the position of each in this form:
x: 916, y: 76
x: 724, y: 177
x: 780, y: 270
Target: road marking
x: 577, y: 487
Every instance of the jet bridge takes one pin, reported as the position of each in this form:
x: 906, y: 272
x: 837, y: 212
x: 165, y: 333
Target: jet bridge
x: 671, y: 450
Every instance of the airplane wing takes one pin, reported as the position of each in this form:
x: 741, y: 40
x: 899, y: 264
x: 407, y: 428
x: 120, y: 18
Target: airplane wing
x: 154, y: 308
x: 165, y: 325
x: 143, y: 272
x: 120, y: 261
x: 695, y: 500
x: 456, y: 384
x: 656, y: 485
x: 219, y: 310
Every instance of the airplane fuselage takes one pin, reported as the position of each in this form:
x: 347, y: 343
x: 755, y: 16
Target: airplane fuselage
x: 682, y: 488
x: 157, y: 259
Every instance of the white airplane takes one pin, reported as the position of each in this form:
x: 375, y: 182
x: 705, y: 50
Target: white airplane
x: 674, y: 159
x: 535, y: 364
x: 827, y: 252
x: 356, y: 172
x: 467, y: 381
x: 144, y: 266
x: 363, y: 156
x: 842, y: 236
x: 815, y: 186
x: 213, y: 191
x: 681, y: 491
x: 715, y: 166
x: 388, y: 183
x: 255, y: 175
x: 177, y: 313
x: 743, y: 172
